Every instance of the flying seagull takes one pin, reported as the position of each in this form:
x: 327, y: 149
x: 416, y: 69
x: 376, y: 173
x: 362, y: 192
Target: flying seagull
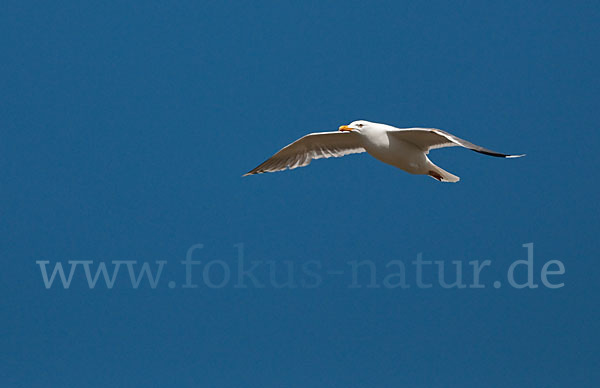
x: 405, y: 148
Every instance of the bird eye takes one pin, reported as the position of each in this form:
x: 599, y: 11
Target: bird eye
x: 360, y: 125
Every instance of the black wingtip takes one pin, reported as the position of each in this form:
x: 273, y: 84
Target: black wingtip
x: 498, y: 154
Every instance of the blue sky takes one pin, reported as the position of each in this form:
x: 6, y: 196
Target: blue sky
x: 127, y: 126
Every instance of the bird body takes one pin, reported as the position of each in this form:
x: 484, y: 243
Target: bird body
x: 405, y: 149
x: 396, y: 152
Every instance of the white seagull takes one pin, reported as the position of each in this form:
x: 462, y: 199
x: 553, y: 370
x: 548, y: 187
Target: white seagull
x: 405, y: 148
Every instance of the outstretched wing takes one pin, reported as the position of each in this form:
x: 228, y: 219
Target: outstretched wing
x: 312, y: 146
x: 431, y: 138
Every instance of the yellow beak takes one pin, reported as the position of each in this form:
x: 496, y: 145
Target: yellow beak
x: 345, y: 128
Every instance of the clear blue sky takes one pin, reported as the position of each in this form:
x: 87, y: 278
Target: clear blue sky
x: 126, y: 127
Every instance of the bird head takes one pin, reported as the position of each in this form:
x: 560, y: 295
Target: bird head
x: 356, y: 126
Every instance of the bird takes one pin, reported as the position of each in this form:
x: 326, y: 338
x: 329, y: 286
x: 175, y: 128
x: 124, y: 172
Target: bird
x: 404, y: 148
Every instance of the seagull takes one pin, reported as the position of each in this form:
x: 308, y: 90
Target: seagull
x: 405, y: 148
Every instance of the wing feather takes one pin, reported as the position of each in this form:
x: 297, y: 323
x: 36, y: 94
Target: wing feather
x: 431, y: 138
x: 312, y: 146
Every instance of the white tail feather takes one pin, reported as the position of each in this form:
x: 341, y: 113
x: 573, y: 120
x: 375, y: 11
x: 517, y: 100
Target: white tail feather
x: 442, y: 175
